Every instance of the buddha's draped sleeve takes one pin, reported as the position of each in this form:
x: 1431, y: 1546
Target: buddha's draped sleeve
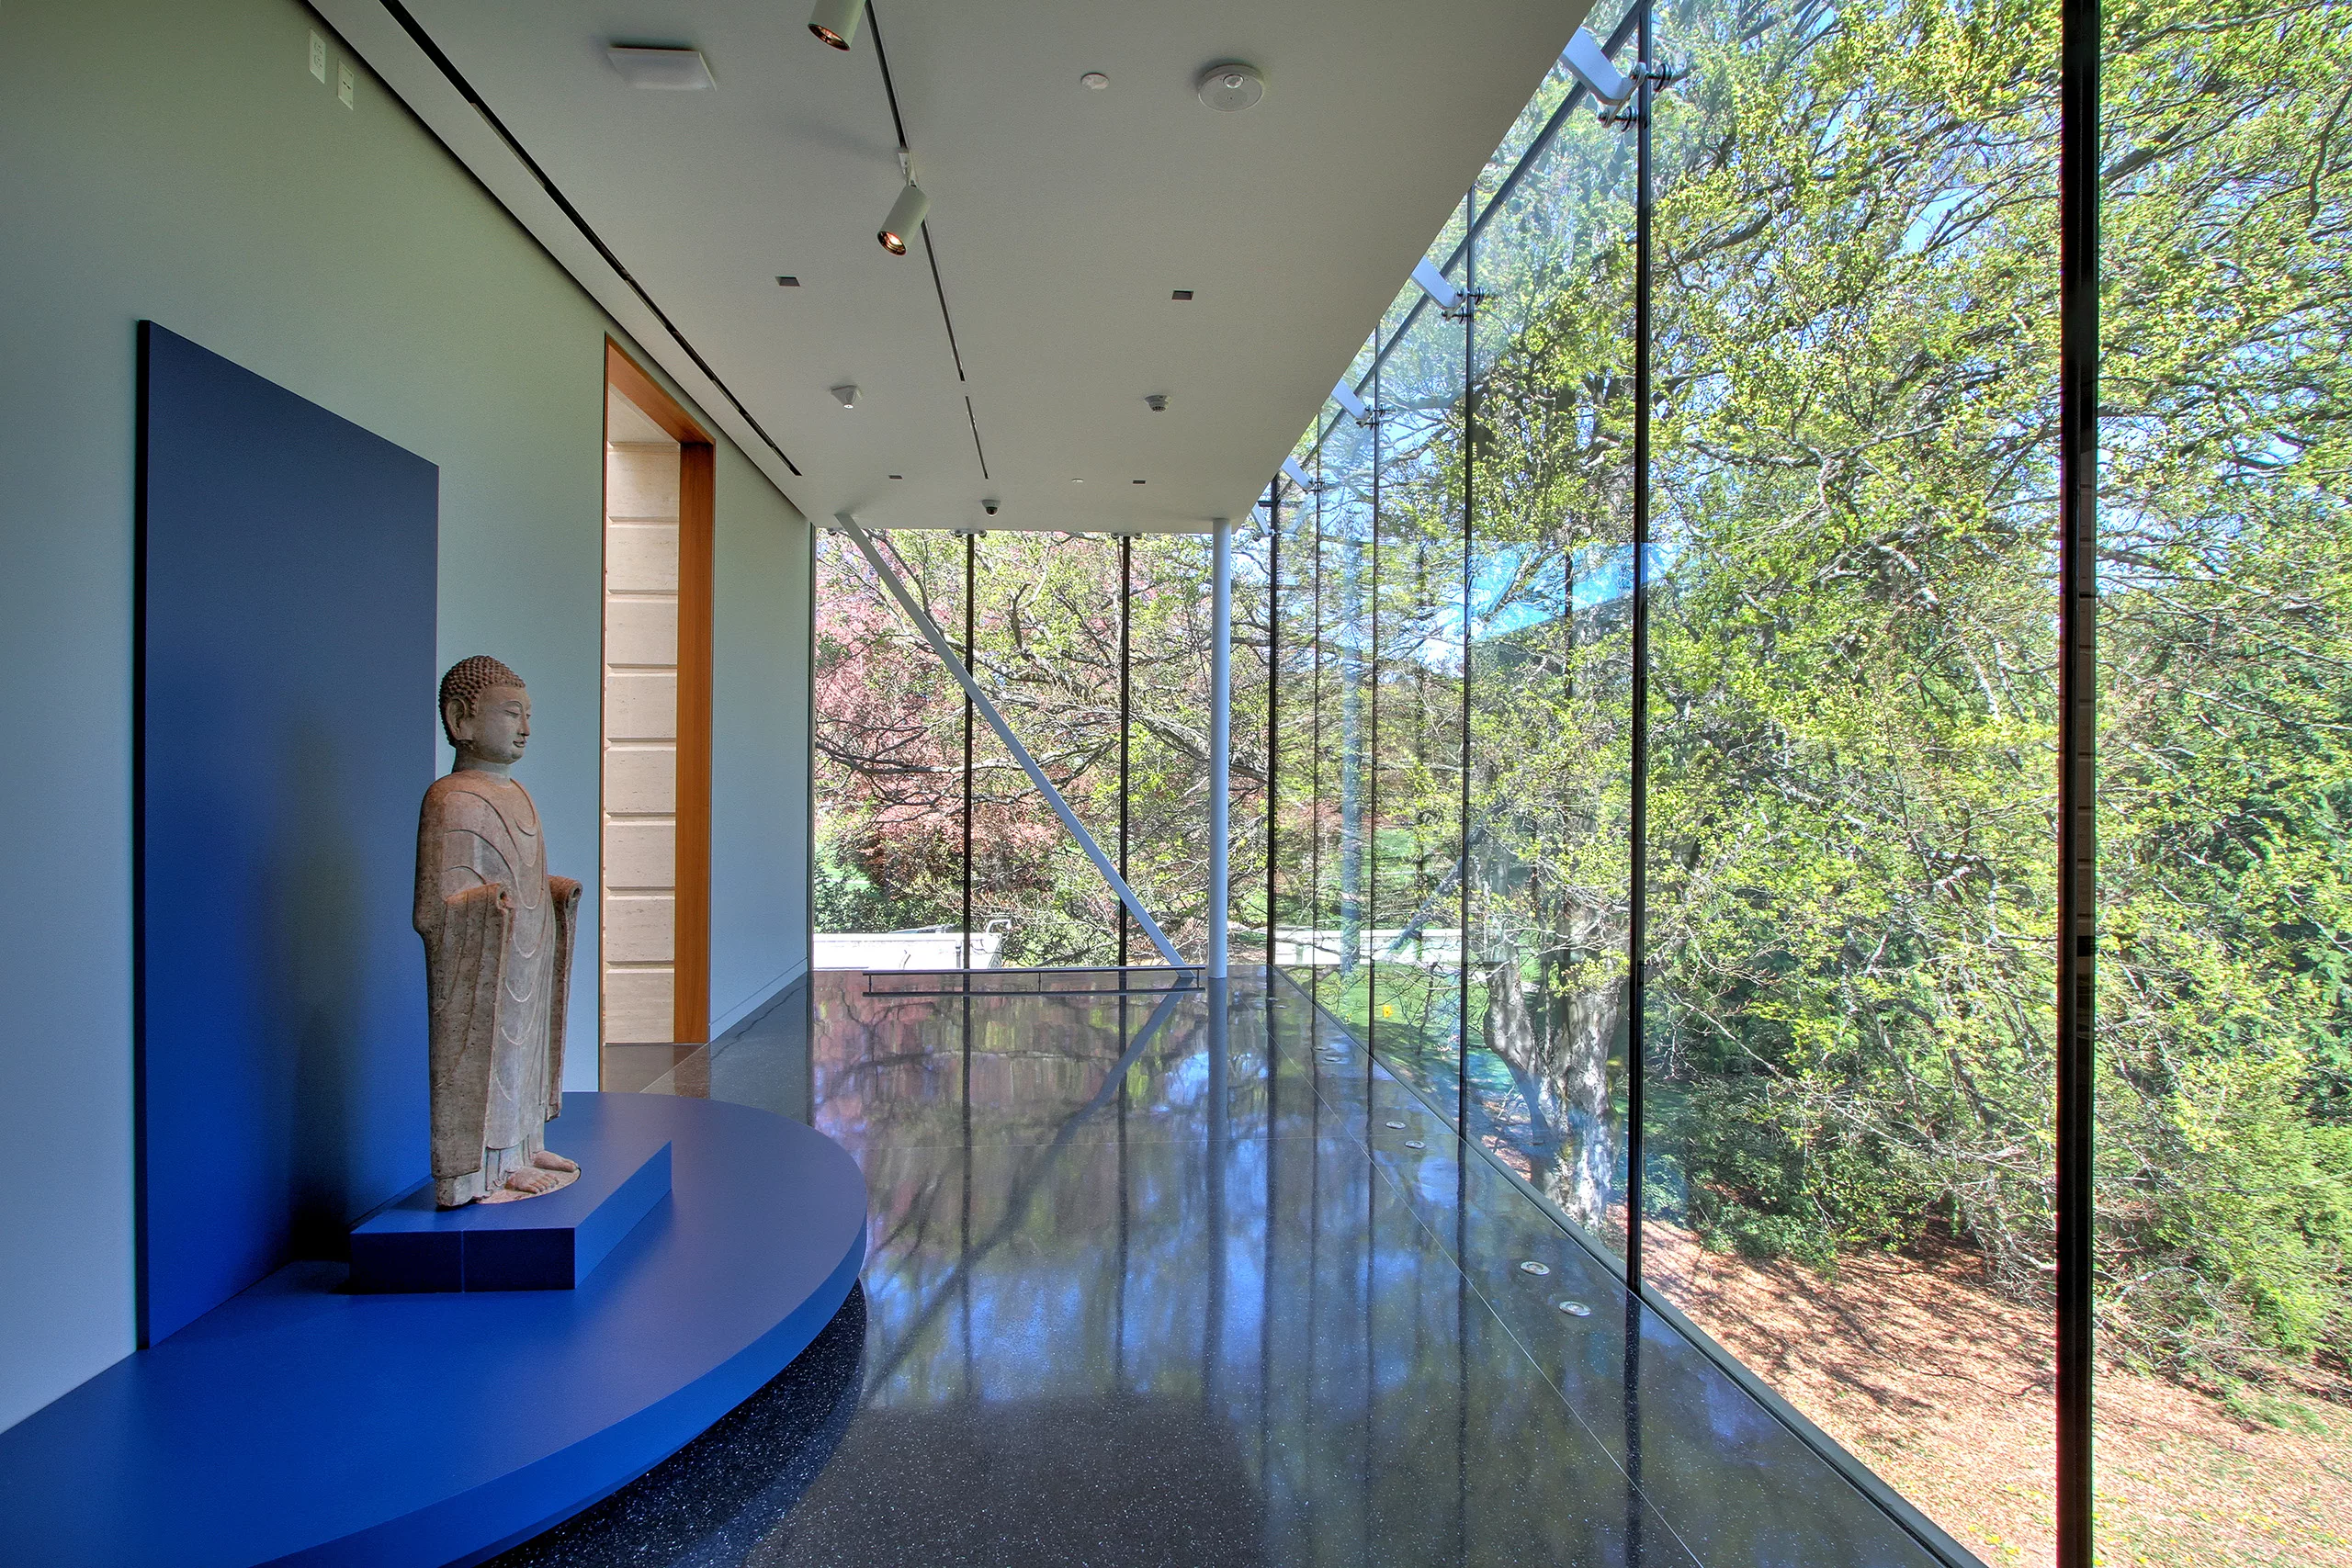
x: 563, y: 892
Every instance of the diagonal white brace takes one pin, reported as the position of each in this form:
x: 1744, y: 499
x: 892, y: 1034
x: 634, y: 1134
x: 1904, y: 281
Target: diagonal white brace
x: 946, y: 656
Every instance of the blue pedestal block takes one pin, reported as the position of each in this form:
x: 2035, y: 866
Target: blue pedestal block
x: 303, y: 1423
x: 533, y: 1244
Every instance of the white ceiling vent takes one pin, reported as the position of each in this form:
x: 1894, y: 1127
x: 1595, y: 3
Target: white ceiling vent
x: 670, y: 69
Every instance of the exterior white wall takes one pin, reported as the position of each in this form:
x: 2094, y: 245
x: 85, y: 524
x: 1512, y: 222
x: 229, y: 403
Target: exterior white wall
x: 179, y: 163
x: 640, y: 741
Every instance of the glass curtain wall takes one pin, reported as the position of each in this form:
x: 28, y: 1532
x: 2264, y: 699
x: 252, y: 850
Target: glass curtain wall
x: 1837, y: 1099
x: 1847, y: 1050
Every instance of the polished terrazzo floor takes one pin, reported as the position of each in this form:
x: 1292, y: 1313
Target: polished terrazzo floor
x: 1149, y: 1285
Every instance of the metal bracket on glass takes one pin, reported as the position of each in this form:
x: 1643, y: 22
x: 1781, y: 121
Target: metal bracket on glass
x: 930, y: 633
x: 1297, y: 476
x: 1465, y: 304
x: 1659, y: 77
x: 1364, y: 413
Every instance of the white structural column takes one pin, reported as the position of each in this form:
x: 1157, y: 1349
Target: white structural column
x: 922, y: 623
x: 1220, y: 743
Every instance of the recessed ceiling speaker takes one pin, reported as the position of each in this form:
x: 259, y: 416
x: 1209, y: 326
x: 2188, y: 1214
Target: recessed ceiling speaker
x: 1230, y: 86
x: 835, y: 21
x: 906, y: 217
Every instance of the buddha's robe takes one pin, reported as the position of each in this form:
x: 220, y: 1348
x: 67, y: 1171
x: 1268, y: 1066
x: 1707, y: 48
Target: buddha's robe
x: 498, y: 935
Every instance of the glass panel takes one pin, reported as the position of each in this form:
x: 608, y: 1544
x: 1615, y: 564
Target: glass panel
x: 1048, y: 658
x: 887, y: 765
x: 1167, y: 741
x: 1348, y: 457
x: 1551, y: 769
x: 1309, y: 944
x: 2224, y: 1069
x: 1847, y: 1172
x: 1412, y: 921
x: 1252, y: 739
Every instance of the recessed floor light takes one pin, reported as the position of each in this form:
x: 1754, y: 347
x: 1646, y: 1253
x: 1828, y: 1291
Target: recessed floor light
x: 1096, y: 80
x: 1180, y: 294
x: 1077, y: 481
x: 787, y: 280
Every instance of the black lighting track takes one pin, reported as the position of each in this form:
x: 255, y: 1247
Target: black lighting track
x: 456, y: 79
x: 930, y: 251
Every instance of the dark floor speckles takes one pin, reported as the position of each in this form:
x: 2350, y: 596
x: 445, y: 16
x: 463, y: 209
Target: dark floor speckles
x: 1143, y: 1290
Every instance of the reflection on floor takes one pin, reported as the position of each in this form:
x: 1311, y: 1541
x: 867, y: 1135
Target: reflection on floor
x: 1150, y: 1285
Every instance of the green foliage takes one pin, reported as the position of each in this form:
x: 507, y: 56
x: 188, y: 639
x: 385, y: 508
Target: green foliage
x: 1784, y: 1177
x: 1853, y: 703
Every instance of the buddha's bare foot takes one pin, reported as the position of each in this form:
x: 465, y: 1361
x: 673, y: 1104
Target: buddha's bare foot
x: 547, y: 1159
x: 527, y: 1183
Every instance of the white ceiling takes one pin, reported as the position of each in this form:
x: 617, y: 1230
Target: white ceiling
x: 1061, y: 220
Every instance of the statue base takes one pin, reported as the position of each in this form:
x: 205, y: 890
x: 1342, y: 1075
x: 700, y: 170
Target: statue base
x: 547, y: 1243
x: 299, y: 1423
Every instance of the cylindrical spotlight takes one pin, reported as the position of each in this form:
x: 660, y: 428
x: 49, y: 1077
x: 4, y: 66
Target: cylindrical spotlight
x: 906, y: 217
x: 836, y: 21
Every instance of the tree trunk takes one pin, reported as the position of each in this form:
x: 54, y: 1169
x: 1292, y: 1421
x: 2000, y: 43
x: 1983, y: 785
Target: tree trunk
x: 1563, y: 1073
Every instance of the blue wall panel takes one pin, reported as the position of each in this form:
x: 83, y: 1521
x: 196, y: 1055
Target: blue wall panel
x: 287, y: 672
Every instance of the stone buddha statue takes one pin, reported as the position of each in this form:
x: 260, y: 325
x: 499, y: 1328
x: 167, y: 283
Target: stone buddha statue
x: 498, y: 935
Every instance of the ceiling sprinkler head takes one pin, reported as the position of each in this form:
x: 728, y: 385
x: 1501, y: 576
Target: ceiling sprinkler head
x: 1156, y: 402
x: 1230, y: 86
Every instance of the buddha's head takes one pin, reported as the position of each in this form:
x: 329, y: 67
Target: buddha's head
x: 485, y: 711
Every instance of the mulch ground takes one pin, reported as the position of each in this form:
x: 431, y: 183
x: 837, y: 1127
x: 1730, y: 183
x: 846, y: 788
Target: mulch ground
x: 1944, y: 1387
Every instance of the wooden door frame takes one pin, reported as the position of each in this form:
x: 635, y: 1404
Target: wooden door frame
x: 697, y: 507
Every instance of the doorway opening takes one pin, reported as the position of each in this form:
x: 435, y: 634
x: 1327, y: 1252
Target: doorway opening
x: 654, y: 897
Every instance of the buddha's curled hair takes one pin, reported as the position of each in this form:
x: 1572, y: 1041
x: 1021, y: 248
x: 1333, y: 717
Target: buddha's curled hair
x: 469, y: 678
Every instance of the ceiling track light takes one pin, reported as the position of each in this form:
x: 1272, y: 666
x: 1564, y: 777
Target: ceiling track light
x: 835, y: 21
x: 906, y: 217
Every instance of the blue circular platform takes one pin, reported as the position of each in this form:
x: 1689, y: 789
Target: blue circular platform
x: 300, y: 1424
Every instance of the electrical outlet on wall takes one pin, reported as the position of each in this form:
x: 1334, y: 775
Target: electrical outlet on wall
x: 318, y: 57
x: 343, y: 82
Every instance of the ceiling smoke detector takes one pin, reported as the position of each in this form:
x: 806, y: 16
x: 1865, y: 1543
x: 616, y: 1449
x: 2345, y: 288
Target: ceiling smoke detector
x: 1230, y: 86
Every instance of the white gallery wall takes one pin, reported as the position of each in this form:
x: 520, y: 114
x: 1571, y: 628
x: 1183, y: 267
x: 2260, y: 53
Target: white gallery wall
x: 178, y: 161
